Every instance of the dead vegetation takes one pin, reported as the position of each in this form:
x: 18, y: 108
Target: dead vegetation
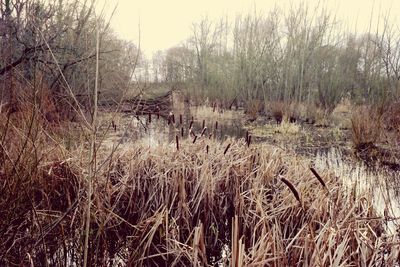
x: 204, y: 203
x: 375, y: 135
x: 197, y: 202
x: 366, y: 126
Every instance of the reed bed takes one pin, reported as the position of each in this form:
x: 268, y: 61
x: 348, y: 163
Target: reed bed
x: 203, y: 204
x: 258, y: 206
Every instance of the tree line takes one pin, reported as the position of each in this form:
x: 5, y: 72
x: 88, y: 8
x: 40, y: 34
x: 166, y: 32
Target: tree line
x: 54, y: 42
x: 297, y: 55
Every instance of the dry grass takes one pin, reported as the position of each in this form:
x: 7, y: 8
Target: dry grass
x: 277, y: 110
x: 366, y: 125
x: 294, y: 112
x: 277, y: 211
x: 287, y: 127
x: 391, y: 120
x: 158, y: 206
x: 253, y: 108
x: 38, y: 187
x: 210, y: 113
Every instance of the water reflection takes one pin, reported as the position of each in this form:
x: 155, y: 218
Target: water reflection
x: 377, y: 183
x: 153, y: 130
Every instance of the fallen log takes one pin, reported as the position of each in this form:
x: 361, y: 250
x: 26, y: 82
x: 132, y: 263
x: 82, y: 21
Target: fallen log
x: 161, y: 105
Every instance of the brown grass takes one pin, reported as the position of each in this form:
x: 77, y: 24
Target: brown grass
x: 38, y: 187
x: 253, y: 108
x: 391, y: 121
x: 163, y: 207
x: 277, y: 110
x: 212, y: 190
x: 366, y: 125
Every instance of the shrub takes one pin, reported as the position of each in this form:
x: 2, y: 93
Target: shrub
x: 391, y: 117
x: 277, y: 110
x: 366, y: 126
x: 254, y: 107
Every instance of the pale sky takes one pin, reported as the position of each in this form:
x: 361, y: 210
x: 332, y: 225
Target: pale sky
x: 166, y: 23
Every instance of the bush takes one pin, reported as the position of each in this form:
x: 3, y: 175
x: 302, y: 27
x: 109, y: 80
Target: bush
x: 254, y: 107
x: 366, y: 126
x: 277, y: 110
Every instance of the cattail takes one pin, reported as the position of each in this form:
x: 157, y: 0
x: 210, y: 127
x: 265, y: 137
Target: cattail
x: 195, y: 138
x: 204, y: 124
x: 216, y: 125
x: 202, y: 132
x: 248, y: 141
x: 149, y: 118
x: 177, y: 142
x: 158, y: 112
x: 247, y: 137
x: 318, y: 177
x: 227, y: 147
x: 182, y: 131
x: 292, y: 188
x: 191, y: 124
x: 180, y: 118
x: 192, y: 132
x: 173, y: 118
x: 207, y: 149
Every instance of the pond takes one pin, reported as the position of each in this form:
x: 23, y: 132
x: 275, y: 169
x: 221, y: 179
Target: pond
x: 328, y: 148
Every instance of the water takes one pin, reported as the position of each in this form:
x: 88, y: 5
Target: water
x: 381, y: 185
x: 152, y: 131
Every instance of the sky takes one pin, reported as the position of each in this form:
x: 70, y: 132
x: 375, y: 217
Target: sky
x: 166, y: 23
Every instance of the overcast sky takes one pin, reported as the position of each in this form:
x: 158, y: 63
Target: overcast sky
x: 165, y: 23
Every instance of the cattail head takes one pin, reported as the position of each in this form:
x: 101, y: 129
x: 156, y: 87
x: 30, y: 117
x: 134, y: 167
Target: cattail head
x: 292, y: 188
x: 319, y: 178
x: 203, y: 131
x: 191, y: 132
x: 227, y: 147
x: 248, y: 141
